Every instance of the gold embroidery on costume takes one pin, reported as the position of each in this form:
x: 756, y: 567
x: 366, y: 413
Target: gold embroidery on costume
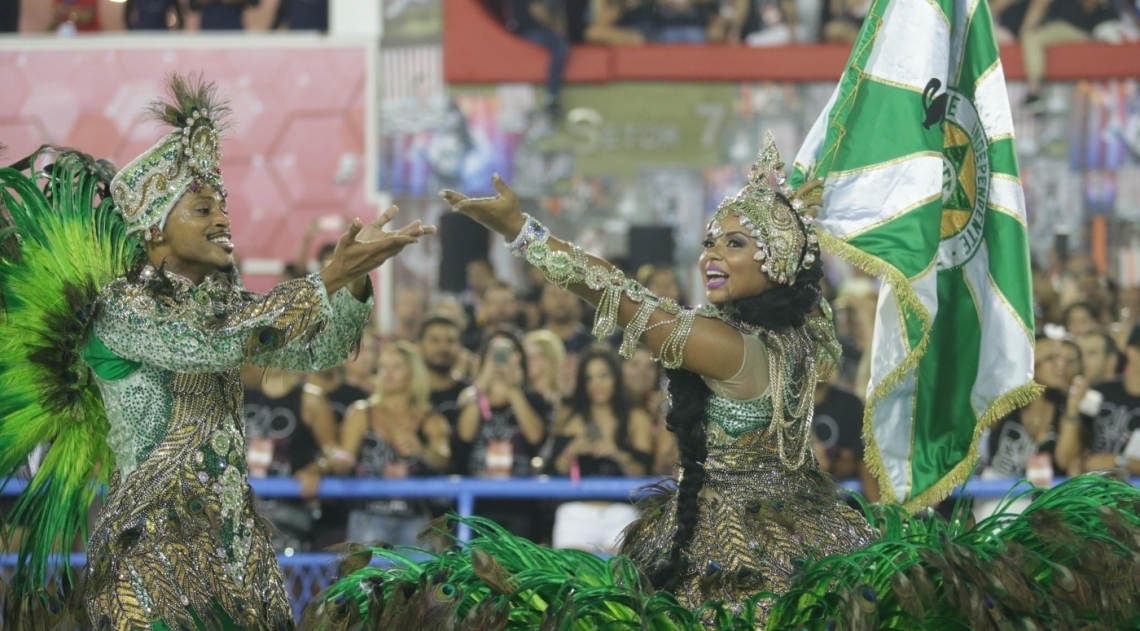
x: 765, y: 507
x: 178, y: 536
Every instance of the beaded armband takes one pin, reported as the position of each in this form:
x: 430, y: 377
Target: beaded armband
x: 565, y: 268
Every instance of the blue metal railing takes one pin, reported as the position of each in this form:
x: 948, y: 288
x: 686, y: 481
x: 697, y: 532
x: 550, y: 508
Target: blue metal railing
x: 308, y: 572
x: 465, y: 490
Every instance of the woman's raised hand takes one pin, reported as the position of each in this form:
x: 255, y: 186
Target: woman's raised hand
x: 500, y: 213
x: 811, y: 192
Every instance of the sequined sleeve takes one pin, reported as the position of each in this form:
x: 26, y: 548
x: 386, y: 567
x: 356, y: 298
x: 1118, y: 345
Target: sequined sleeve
x: 208, y: 331
x: 332, y: 345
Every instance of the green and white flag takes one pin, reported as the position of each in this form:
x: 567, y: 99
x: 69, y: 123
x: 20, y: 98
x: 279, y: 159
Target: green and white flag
x: 922, y: 189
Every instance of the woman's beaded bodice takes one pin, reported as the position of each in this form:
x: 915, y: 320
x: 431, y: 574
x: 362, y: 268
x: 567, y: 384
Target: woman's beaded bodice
x: 727, y: 419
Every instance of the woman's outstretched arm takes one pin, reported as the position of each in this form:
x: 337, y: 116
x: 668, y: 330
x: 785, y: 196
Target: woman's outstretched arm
x: 680, y: 338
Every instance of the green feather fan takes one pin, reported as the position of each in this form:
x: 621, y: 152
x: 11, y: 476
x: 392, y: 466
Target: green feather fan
x: 59, y: 245
x: 1069, y: 561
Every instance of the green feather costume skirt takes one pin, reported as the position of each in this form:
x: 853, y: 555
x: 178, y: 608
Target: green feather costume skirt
x: 1069, y: 561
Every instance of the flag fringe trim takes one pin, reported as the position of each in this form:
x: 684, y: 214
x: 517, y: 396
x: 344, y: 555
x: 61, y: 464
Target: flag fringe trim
x: 1017, y: 398
x: 907, y: 299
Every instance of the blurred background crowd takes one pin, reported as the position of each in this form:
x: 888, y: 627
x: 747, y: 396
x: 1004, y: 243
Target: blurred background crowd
x: 557, y: 24
x: 483, y: 369
x: 503, y: 381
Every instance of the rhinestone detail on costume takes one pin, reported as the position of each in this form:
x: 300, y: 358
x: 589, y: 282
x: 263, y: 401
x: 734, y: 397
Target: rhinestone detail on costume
x: 178, y: 537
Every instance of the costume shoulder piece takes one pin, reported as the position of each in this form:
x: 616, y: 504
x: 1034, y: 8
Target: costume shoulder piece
x: 61, y: 241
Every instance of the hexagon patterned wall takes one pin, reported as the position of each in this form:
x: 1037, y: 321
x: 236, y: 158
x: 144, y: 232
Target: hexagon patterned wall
x: 295, y: 151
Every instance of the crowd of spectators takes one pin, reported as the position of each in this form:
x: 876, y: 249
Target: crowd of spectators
x: 557, y: 24
x: 1087, y: 354
x: 88, y: 16
x: 494, y: 382
x: 505, y: 382
x: 779, y: 22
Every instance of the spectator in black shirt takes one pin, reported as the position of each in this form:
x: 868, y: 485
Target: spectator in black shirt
x: 394, y: 434
x: 440, y: 347
x: 302, y: 15
x: 837, y: 433
x: 283, y: 439
x: 9, y: 16
x: 501, y: 430
x: 152, y: 15
x: 1112, y: 439
x: 1051, y: 423
x: 329, y: 393
x: 1025, y: 443
x: 222, y: 15
x: 533, y: 20
x: 601, y: 434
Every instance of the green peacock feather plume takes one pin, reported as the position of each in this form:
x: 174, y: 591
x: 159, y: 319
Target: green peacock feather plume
x: 1070, y: 561
x: 59, y: 245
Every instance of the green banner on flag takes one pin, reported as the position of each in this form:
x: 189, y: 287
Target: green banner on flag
x: 922, y: 190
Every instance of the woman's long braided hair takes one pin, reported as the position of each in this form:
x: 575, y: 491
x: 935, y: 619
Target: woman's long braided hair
x: 778, y: 309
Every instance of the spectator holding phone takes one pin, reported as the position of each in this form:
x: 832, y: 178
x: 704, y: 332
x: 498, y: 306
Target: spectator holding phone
x: 1112, y: 438
x: 1032, y: 442
x: 601, y: 435
x: 502, y: 426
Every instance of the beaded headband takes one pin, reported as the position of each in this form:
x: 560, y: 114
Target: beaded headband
x: 784, y: 235
x: 184, y: 160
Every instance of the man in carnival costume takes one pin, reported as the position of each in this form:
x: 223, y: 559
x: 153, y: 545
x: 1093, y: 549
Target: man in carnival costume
x: 753, y: 535
x: 125, y: 332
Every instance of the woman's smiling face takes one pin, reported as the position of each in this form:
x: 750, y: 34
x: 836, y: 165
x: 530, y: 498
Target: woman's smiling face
x: 728, y: 265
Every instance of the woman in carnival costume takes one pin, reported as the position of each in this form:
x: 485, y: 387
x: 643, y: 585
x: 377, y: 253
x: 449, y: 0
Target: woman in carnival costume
x: 125, y: 329
x: 754, y: 535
